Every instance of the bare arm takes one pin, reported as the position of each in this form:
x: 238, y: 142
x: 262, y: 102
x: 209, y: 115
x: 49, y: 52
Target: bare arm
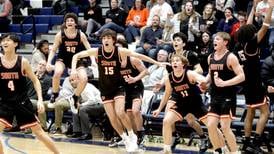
x: 36, y: 83
x: 195, y: 77
x: 84, y: 40
x: 82, y: 54
x: 267, y: 20
x: 198, y: 68
x: 56, y: 44
x: 140, y: 67
x: 168, y: 90
x: 127, y: 52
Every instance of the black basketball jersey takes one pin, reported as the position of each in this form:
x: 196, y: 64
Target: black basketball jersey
x: 109, y: 66
x: 69, y: 47
x: 249, y: 56
x: 13, y: 82
x: 224, y: 73
x: 182, y: 89
x: 129, y: 70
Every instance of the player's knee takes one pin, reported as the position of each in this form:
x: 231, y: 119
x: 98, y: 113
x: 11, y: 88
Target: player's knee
x: 167, y: 122
x: 121, y: 114
x: 57, y: 75
x: 226, y: 129
x: 135, y: 112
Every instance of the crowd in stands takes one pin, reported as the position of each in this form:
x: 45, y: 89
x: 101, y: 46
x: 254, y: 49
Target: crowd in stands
x: 158, y: 29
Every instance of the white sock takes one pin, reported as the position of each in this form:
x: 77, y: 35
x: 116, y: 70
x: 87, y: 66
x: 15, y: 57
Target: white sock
x: 167, y: 147
x: 131, y: 133
x: 124, y: 136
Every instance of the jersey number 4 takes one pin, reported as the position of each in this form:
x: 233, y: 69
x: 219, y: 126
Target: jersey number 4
x: 11, y: 85
x: 109, y: 71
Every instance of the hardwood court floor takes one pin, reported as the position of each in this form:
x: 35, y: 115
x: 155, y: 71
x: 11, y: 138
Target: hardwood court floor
x: 26, y: 144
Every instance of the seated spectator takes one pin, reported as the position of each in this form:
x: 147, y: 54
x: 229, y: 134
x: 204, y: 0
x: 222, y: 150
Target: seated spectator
x: 205, y: 48
x: 187, y: 21
x: 5, y: 15
x: 127, y: 5
x: 149, y: 38
x: 221, y: 5
x: 115, y: 19
x: 156, y: 73
x: 39, y: 54
x: 208, y: 20
x: 150, y: 4
x: 225, y: 24
x: 136, y: 19
x: 92, y: 18
x: 45, y: 81
x: 162, y: 9
x: 90, y: 106
x: 242, y: 18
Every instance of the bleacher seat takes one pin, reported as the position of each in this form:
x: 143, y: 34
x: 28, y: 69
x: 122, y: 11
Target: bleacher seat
x: 25, y: 38
x: 46, y: 11
x: 40, y: 28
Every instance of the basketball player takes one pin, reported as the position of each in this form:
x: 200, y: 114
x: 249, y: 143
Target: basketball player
x: 14, y: 70
x: 248, y: 53
x: 133, y: 73
x: 224, y: 73
x: 183, y: 97
x: 111, y: 84
x: 179, y: 43
x: 70, y: 41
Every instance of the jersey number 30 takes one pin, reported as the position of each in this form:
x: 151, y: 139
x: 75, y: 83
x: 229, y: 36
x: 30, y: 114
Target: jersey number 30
x: 109, y: 71
x: 11, y: 85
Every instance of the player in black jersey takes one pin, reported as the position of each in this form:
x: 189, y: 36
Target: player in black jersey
x: 179, y: 42
x: 133, y: 73
x: 70, y: 41
x: 14, y: 70
x: 111, y: 84
x: 224, y: 73
x: 182, y: 96
x: 248, y: 53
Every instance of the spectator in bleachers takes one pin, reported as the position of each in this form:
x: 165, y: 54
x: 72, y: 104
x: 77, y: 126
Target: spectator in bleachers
x: 208, y: 19
x: 183, y: 101
x: 205, y: 48
x: 89, y: 106
x: 187, y: 21
x: 176, y: 5
x: 39, y: 53
x: 161, y: 9
x: 156, y: 73
x: 126, y: 5
x: 225, y: 24
x: 221, y: 5
x: 5, y: 15
x: 70, y: 41
x: 242, y: 18
x: 115, y: 19
x: 166, y: 41
x: 149, y: 37
x: 248, y: 53
x: 45, y: 81
x: 150, y: 4
x: 92, y: 18
x: 136, y: 19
